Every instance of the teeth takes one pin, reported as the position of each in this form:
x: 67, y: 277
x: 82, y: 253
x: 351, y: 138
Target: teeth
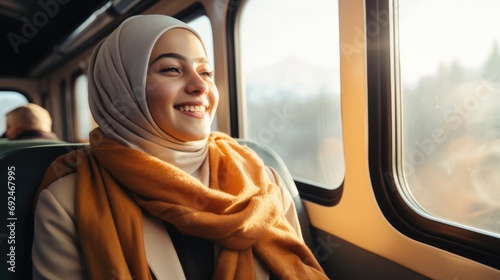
x: 191, y: 108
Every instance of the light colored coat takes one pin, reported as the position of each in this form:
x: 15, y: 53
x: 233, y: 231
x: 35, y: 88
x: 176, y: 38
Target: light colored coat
x: 56, y: 251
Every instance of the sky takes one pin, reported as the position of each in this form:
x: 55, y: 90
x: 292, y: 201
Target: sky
x: 434, y: 32
x: 277, y: 29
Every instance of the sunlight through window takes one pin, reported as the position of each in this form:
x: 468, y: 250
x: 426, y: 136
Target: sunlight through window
x: 291, y: 66
x: 450, y: 76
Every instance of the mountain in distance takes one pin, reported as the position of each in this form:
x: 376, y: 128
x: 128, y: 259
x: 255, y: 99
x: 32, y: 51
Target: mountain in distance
x: 291, y: 76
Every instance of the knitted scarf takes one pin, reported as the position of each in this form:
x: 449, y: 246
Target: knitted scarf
x: 241, y: 210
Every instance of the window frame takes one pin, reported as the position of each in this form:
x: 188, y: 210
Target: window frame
x: 74, y: 99
x: 66, y: 109
x: 191, y: 13
x: 383, y: 131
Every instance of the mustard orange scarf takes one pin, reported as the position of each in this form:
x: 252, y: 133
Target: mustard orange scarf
x: 241, y: 210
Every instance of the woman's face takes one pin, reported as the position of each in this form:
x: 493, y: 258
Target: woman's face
x: 181, y: 94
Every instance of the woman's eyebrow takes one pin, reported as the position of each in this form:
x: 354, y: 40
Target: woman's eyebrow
x: 179, y: 57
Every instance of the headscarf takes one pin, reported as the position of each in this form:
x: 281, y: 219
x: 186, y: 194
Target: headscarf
x: 117, y: 92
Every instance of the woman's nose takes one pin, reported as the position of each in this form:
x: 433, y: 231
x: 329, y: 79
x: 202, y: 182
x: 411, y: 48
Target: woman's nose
x: 196, y: 84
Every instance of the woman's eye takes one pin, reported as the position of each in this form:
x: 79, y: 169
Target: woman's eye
x: 208, y: 74
x: 170, y: 69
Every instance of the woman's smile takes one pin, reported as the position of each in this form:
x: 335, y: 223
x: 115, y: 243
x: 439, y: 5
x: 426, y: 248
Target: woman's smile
x: 193, y: 109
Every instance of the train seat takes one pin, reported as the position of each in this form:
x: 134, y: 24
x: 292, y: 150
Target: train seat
x: 22, y: 170
x: 272, y: 159
x: 8, y: 145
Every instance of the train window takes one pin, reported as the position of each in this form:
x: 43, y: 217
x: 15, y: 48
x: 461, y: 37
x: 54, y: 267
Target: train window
x: 85, y: 121
x: 202, y: 25
x: 66, y: 109
x: 9, y: 100
x: 290, y: 60
x: 450, y: 121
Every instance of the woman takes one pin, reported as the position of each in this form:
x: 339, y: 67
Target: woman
x: 156, y: 195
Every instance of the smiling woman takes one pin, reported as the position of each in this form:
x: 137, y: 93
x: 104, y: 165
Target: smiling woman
x: 84, y: 120
x: 159, y: 177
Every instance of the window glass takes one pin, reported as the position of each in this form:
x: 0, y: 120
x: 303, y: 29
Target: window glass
x: 85, y: 121
x: 290, y: 60
x: 450, y: 93
x: 202, y: 25
x: 9, y: 100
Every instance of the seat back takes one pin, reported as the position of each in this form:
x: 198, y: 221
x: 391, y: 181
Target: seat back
x: 9, y: 145
x: 272, y: 159
x: 22, y: 170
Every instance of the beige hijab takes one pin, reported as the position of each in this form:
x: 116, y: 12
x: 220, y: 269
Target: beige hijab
x: 117, y: 92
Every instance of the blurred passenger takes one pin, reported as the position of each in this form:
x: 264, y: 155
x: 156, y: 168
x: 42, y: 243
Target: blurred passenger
x: 29, y: 121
